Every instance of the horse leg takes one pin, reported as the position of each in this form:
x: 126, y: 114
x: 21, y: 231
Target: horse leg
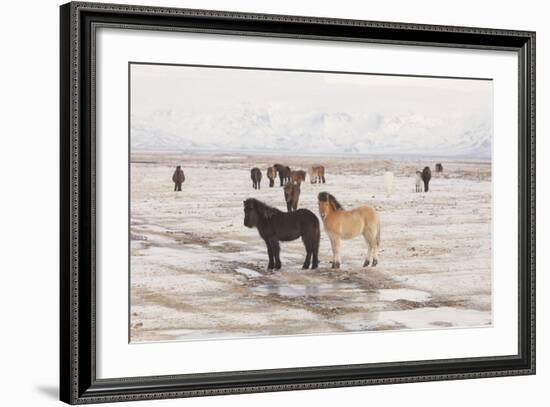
x: 336, y: 243
x: 315, y: 248
x: 281, y: 178
x: 309, y: 251
x: 288, y: 206
x: 270, y: 255
x: 370, y: 240
x: 323, y: 177
x: 276, y: 250
x: 333, y: 261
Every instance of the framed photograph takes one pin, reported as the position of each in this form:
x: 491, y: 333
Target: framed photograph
x: 254, y: 203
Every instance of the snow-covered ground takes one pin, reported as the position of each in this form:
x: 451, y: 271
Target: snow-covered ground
x: 198, y: 273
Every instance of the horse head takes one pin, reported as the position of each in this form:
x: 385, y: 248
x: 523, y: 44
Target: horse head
x: 327, y: 204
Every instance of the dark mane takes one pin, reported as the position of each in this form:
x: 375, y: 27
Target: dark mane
x: 325, y: 196
x: 264, y: 210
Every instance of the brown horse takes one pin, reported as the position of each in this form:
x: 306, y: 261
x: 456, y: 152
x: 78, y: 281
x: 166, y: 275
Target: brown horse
x: 271, y: 175
x: 426, y: 177
x: 274, y: 226
x: 438, y: 167
x: 292, y: 195
x: 256, y: 176
x: 347, y: 224
x: 178, y: 178
x: 317, y: 174
x: 297, y: 177
x: 284, y: 173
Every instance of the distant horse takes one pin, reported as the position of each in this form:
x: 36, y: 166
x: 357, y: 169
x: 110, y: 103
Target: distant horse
x: 418, y: 181
x: 438, y: 168
x: 292, y: 195
x: 388, y: 183
x: 297, y: 177
x: 426, y: 177
x: 274, y: 226
x: 284, y: 173
x: 343, y: 224
x: 271, y: 174
x: 256, y: 176
x: 178, y: 178
x: 317, y: 174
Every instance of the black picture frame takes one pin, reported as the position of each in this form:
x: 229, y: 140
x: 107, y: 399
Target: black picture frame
x: 78, y: 382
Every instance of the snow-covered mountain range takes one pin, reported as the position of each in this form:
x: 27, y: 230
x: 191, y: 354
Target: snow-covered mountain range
x: 248, y: 128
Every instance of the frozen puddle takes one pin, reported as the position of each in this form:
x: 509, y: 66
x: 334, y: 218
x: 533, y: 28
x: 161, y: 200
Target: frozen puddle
x: 248, y: 272
x: 299, y: 290
x: 402, y: 294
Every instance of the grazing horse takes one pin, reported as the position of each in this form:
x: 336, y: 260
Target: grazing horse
x: 292, y: 195
x: 271, y: 174
x: 275, y: 226
x: 178, y: 178
x: 317, y: 174
x: 438, y: 168
x: 426, y: 177
x: 343, y: 224
x: 284, y: 173
x: 297, y: 177
x: 418, y: 181
x: 256, y: 176
x: 388, y: 183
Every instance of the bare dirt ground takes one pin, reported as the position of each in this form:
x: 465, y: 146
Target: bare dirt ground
x: 198, y: 273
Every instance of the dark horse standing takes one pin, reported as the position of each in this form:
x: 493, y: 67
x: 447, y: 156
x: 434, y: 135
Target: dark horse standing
x: 284, y: 173
x: 426, y: 177
x: 275, y: 226
x: 256, y: 176
x: 178, y: 178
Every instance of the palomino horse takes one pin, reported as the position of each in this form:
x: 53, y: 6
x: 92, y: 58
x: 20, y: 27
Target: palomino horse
x: 274, y: 226
x: 317, y: 174
x: 343, y: 224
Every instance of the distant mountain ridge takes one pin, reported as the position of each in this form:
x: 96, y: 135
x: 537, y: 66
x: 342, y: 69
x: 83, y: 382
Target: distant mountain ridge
x: 249, y: 129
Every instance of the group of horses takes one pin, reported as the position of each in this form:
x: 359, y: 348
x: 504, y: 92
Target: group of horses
x: 275, y: 226
x: 424, y: 177
x: 290, y: 180
x: 286, y: 175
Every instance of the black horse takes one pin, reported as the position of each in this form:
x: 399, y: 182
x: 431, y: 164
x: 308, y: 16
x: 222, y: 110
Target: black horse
x: 426, y: 177
x: 276, y: 226
x: 256, y: 177
x: 284, y: 173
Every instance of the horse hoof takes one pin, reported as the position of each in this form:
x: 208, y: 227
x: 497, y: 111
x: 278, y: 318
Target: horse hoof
x: 336, y: 265
x: 305, y: 266
x: 374, y: 262
x: 314, y: 266
x: 366, y: 263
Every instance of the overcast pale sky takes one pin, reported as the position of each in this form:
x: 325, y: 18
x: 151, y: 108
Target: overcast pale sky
x: 187, y: 108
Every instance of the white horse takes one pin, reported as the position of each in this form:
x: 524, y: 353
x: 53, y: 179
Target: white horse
x: 388, y: 183
x: 418, y: 181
